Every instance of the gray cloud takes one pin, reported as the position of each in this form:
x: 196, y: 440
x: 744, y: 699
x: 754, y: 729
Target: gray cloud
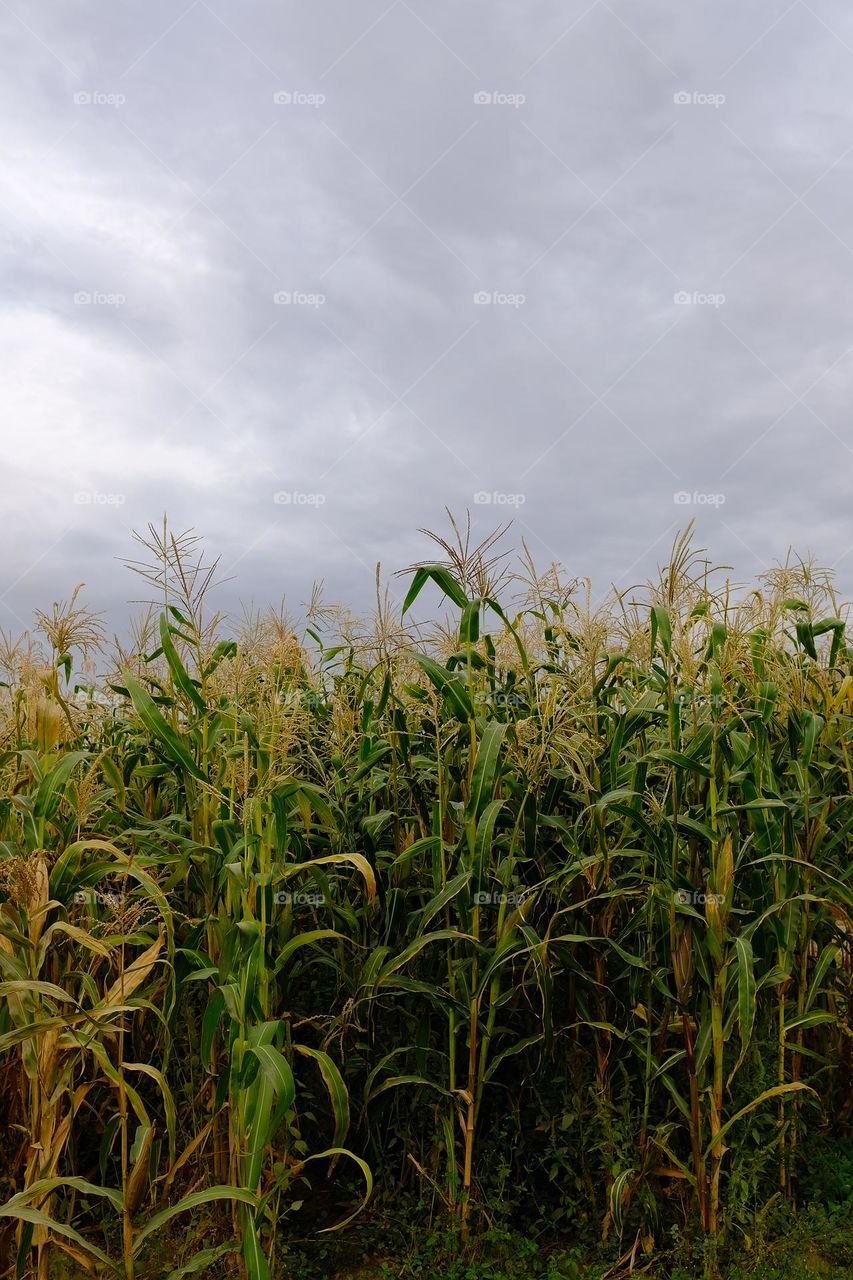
x: 622, y: 159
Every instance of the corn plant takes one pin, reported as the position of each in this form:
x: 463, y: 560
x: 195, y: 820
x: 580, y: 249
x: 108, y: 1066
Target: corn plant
x: 289, y: 911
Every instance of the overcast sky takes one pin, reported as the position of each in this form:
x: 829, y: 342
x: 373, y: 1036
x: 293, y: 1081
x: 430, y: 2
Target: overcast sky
x: 302, y: 273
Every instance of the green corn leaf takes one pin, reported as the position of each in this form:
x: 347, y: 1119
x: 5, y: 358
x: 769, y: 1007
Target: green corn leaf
x: 52, y: 786
x: 180, y: 675
x: 335, y: 1088
x: 150, y: 716
x: 194, y: 1201
x: 437, y: 904
x: 276, y: 1067
x: 485, y: 767
x: 335, y: 1152
x: 778, y: 1091
x: 449, y: 686
x: 746, y: 988
x: 203, y: 1259
x: 442, y: 578
x: 39, y: 1219
x: 661, y: 626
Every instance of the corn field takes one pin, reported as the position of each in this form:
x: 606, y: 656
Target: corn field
x: 549, y: 899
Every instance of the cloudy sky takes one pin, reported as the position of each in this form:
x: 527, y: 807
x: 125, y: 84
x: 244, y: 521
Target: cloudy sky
x: 300, y: 273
